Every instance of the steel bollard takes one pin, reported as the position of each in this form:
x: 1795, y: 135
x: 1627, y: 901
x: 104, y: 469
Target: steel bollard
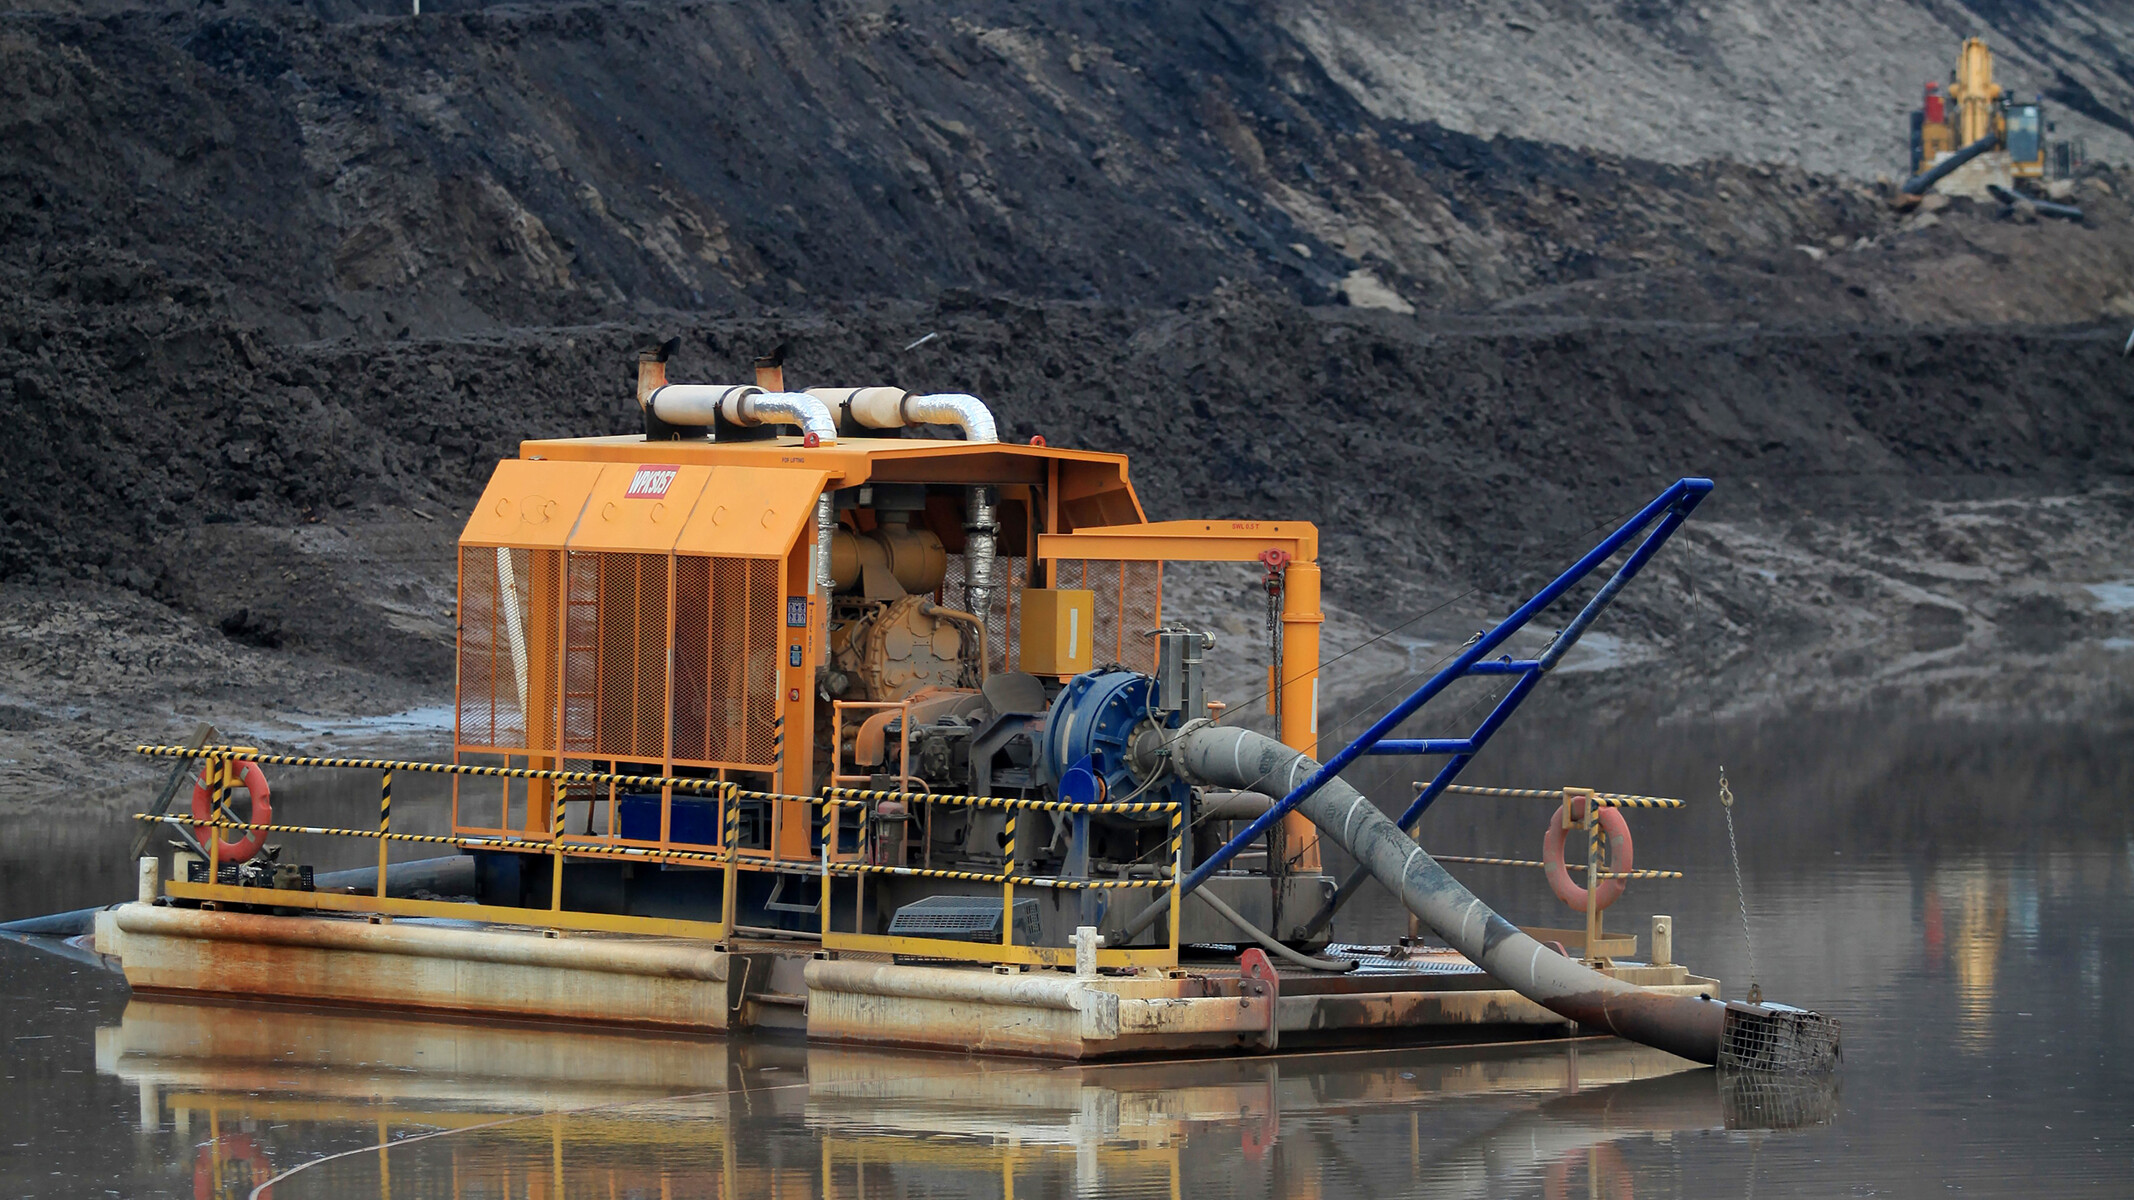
x: 1086, y: 942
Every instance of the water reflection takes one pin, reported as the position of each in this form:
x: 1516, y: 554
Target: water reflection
x: 1966, y: 920
x: 500, y: 1111
x: 1962, y: 909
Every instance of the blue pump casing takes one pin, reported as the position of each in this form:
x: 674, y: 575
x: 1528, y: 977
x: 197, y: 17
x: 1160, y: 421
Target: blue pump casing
x: 1083, y: 755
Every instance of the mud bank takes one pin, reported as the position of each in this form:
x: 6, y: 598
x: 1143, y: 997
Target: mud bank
x: 1933, y: 512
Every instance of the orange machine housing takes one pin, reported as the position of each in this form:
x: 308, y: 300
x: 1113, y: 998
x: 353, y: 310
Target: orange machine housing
x: 632, y: 604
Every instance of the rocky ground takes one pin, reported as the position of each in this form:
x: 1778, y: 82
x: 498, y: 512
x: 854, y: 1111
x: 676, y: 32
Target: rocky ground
x: 281, y: 283
x: 1823, y: 84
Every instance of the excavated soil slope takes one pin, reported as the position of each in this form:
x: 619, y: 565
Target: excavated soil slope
x: 279, y: 284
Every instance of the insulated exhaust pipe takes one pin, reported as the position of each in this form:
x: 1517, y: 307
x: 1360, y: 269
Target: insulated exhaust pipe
x: 1753, y: 1037
x: 980, y: 540
x: 701, y: 405
x: 698, y: 404
x: 895, y: 408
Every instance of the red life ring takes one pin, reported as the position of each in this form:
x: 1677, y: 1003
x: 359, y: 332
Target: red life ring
x: 1610, y: 1176
x: 231, y: 1165
x: 243, y: 849
x: 1617, y: 832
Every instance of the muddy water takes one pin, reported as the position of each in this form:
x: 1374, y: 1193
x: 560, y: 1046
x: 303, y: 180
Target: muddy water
x: 1956, y: 894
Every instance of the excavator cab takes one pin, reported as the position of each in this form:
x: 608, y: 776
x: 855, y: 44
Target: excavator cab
x: 2024, y: 136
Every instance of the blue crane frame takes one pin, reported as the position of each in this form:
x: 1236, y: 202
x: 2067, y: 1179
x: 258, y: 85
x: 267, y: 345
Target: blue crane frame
x: 1657, y: 523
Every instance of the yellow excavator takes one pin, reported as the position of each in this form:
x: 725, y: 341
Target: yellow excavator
x: 1979, y: 121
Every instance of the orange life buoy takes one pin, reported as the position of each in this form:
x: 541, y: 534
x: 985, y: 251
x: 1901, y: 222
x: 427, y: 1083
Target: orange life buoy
x: 1617, y: 831
x: 243, y: 849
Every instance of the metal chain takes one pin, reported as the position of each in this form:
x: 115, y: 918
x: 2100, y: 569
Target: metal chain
x: 1726, y: 805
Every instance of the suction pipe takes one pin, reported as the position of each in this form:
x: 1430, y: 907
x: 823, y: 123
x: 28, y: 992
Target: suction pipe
x: 1221, y: 756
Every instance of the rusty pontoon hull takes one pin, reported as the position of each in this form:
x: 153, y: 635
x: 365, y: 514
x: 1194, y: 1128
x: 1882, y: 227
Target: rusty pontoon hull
x: 698, y: 987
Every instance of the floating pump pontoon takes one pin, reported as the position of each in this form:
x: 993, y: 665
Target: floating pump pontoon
x: 842, y: 697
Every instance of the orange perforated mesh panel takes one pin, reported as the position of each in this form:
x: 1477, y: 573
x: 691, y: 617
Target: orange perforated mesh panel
x: 581, y: 654
x: 617, y: 632
x: 506, y: 650
x: 1129, y: 603
x: 486, y: 714
x: 727, y: 614
x: 615, y: 660
x: 1140, y: 610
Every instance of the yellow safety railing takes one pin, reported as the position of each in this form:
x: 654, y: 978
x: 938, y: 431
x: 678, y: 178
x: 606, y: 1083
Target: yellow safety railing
x: 220, y: 777
x: 730, y: 857
x: 1593, y: 802
x: 857, y: 866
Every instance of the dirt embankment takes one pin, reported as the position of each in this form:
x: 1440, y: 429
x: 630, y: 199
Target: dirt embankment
x: 1897, y: 511
x: 1821, y: 83
x: 278, y: 288
x: 473, y: 172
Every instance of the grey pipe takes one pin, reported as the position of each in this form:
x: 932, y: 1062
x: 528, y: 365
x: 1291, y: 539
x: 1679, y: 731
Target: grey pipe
x: 1232, y: 806
x: 1221, y: 756
x: 67, y: 947
x: 445, y: 875
x: 1919, y: 183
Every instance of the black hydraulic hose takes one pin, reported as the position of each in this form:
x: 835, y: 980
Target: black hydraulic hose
x: 445, y: 875
x: 58, y: 925
x: 64, y: 947
x: 2044, y: 208
x: 1919, y: 183
x: 1690, y: 1026
x: 1268, y: 943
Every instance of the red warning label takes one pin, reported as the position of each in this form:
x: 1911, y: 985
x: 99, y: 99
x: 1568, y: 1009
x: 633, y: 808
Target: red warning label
x: 651, y: 481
